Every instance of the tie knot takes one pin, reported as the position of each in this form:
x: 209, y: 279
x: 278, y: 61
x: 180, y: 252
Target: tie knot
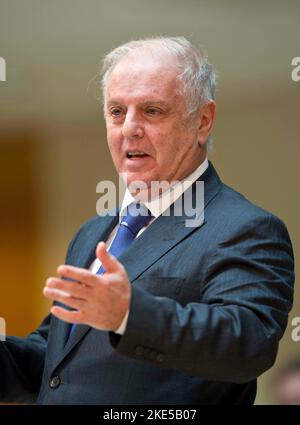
x: 137, y: 216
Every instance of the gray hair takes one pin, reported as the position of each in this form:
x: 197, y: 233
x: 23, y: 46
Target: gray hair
x: 197, y: 76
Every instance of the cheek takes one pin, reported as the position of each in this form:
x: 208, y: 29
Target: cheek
x: 114, y: 147
x: 111, y: 132
x: 113, y: 139
x: 167, y: 145
x: 161, y: 139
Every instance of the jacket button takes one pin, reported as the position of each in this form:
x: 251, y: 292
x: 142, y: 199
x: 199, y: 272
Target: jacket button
x: 147, y: 351
x: 139, y: 350
x: 160, y: 357
x: 54, y: 382
x: 152, y: 355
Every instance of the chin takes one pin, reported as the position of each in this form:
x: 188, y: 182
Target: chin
x: 130, y: 178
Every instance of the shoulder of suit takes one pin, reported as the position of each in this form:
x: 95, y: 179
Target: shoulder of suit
x: 240, y: 209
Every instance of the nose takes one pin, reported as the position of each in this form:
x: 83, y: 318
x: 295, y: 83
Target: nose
x: 132, y: 126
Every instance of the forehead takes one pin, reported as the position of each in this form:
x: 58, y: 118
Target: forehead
x: 143, y: 76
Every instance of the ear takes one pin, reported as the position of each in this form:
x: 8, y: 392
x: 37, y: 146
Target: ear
x: 206, y: 119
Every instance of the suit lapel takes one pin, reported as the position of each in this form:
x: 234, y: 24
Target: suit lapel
x: 161, y: 236
x: 167, y: 231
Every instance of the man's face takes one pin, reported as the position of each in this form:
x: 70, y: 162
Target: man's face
x: 148, y: 133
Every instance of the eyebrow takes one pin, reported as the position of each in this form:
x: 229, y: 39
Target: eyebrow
x: 146, y: 103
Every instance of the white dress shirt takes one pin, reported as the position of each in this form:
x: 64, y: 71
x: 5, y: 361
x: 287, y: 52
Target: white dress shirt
x: 156, y: 206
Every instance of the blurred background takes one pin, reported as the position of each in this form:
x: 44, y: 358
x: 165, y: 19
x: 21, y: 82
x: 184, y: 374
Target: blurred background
x: 52, y: 135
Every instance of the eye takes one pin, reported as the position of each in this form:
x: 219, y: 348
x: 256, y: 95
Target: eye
x: 153, y: 111
x: 115, y: 112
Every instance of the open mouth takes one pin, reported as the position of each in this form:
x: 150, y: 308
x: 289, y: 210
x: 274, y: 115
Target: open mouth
x: 136, y: 154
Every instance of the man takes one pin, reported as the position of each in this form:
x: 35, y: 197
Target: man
x: 172, y: 314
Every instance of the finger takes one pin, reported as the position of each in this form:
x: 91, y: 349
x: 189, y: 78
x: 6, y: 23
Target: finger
x: 109, y: 262
x: 77, y: 273
x: 75, y: 317
x: 74, y: 289
x: 63, y: 297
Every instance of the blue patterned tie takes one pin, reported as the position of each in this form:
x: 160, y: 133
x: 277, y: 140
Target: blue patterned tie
x: 136, y: 217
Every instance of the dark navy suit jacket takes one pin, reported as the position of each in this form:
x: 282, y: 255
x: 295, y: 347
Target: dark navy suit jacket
x: 209, y: 306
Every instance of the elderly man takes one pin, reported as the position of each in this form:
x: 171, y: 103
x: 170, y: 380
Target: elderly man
x: 149, y: 310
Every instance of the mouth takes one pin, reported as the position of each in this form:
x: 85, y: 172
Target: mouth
x: 136, y: 154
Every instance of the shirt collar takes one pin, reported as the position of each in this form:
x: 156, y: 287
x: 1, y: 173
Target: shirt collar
x: 160, y: 204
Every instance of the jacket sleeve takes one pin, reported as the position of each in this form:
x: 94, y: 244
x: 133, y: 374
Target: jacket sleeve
x: 233, y: 333
x: 21, y: 365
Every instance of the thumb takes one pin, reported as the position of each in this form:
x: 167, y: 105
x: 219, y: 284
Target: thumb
x: 109, y: 262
